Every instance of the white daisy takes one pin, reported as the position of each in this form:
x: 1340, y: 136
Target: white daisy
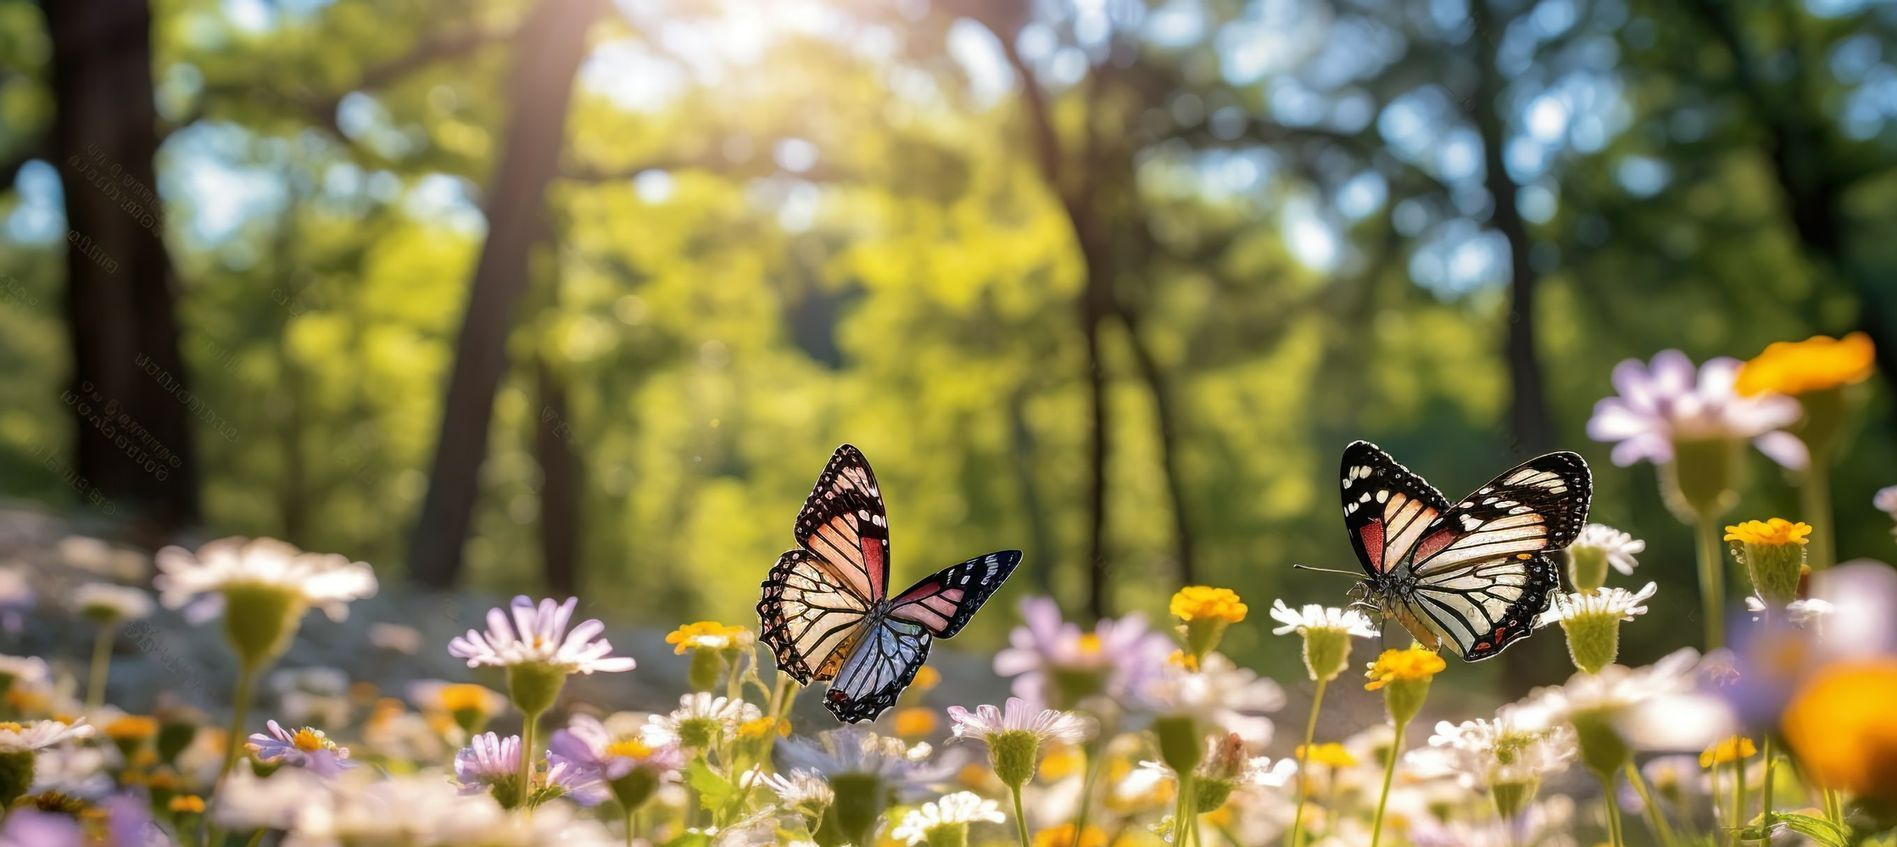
x: 108, y: 603
x: 1807, y: 613
x: 803, y: 790
x: 1618, y: 547
x: 1045, y: 725
x: 39, y: 735
x: 25, y: 671
x: 1613, y: 692
x: 958, y: 809
x: 1614, y: 603
x: 1221, y: 694
x: 199, y: 580
x: 1508, y: 749
x: 1312, y: 616
x: 538, y: 634
x: 854, y: 751
x: 700, y: 721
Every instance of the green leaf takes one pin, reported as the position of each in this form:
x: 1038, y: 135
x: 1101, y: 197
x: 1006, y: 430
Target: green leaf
x: 713, y: 790
x: 1817, y: 829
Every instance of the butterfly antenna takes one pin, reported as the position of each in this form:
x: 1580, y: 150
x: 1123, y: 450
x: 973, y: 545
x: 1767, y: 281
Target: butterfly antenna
x: 1328, y: 570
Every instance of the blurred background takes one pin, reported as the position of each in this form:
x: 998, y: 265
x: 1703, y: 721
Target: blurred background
x: 577, y: 296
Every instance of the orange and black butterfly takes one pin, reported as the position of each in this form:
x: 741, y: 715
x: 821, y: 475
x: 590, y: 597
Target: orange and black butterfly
x: 826, y: 613
x: 1474, y: 574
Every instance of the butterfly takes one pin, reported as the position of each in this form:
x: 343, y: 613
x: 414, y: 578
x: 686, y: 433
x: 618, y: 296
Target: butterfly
x: 1473, y: 574
x: 826, y: 613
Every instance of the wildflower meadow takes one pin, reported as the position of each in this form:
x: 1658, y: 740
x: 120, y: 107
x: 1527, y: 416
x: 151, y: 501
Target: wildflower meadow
x: 1776, y: 726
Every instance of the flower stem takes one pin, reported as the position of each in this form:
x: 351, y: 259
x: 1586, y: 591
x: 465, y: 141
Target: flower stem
x: 1181, y: 816
x: 1712, y: 581
x: 240, y: 712
x: 1738, y: 797
x: 1656, y: 817
x: 1096, y: 751
x: 101, y: 665
x: 1304, y: 758
x: 1834, y: 806
x: 256, y: 838
x: 1389, y: 773
x: 529, y: 727
x: 1614, y: 834
x: 1020, y: 818
x: 1814, y: 498
x: 632, y: 826
x: 1765, y: 789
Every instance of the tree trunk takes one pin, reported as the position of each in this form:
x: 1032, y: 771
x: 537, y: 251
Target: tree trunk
x: 1164, y: 412
x: 1092, y: 315
x: 559, y: 485
x: 133, y: 447
x: 1022, y: 444
x: 548, y: 52
x: 1531, y: 425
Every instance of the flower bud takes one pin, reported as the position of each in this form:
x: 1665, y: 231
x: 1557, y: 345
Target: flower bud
x: 1403, y: 698
x: 16, y: 775
x: 1602, y: 749
x: 635, y: 788
x: 706, y: 670
x: 1013, y: 753
x: 1326, y: 652
x: 534, y: 686
x: 1587, y: 568
x: 860, y: 801
x: 1593, y: 640
x: 260, y: 620
x: 1775, y: 570
x: 947, y: 835
x: 1512, y: 798
x: 1180, y: 744
x: 1702, y: 480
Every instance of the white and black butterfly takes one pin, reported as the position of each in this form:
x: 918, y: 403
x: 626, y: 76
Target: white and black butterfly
x: 826, y: 613
x: 1475, y: 574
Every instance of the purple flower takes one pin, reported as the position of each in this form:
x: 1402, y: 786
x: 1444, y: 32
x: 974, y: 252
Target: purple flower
x: 28, y: 828
x: 586, y: 744
x: 537, y: 634
x: 306, y: 748
x: 491, y: 762
x: 1666, y: 401
x: 1056, y: 664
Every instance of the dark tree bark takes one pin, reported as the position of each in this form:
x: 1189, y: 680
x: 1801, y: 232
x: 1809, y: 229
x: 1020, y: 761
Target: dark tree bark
x: 1531, y: 425
x: 133, y: 436
x: 559, y: 485
x: 1022, y: 445
x: 548, y: 52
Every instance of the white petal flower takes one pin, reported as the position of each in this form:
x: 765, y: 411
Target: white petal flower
x: 1615, y: 690
x: 1616, y: 603
x: 1508, y: 749
x: 1045, y: 725
x: 539, y: 634
x: 108, y: 602
x: 700, y: 721
x: 1313, y: 616
x: 855, y: 751
x: 962, y: 807
x: 38, y: 735
x: 1619, y: 547
x: 1223, y: 695
x: 326, y: 581
x: 800, y: 789
x: 1806, y: 613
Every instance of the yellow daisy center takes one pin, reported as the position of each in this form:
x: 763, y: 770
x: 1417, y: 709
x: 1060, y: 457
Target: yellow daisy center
x: 308, y: 740
x: 629, y: 748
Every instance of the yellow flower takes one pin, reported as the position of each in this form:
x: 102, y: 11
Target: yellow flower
x: 1062, y: 762
x: 926, y: 678
x: 706, y: 635
x: 1332, y: 754
x: 915, y: 722
x: 1183, y: 659
x: 1064, y: 836
x: 1843, y: 730
x: 131, y: 728
x: 1413, y: 663
x: 1815, y: 364
x: 190, y: 804
x: 758, y: 728
x: 1777, y: 531
x: 1203, y: 602
x: 1730, y: 750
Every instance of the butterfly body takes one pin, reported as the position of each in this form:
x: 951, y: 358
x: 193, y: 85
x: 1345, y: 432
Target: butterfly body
x: 1471, y: 575
x: 825, y: 610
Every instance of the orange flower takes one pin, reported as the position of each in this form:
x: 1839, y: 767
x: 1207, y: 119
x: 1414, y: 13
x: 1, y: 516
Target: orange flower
x: 1815, y: 364
x: 1843, y: 730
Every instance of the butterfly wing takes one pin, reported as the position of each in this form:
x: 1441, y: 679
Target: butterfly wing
x: 1386, y: 507
x: 1483, y: 569
x: 844, y: 525
x: 809, y: 618
x: 878, y: 669
x: 944, y: 603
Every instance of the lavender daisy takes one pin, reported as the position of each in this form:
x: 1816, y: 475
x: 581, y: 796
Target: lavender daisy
x: 1670, y: 400
x: 306, y: 748
x: 1055, y: 663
